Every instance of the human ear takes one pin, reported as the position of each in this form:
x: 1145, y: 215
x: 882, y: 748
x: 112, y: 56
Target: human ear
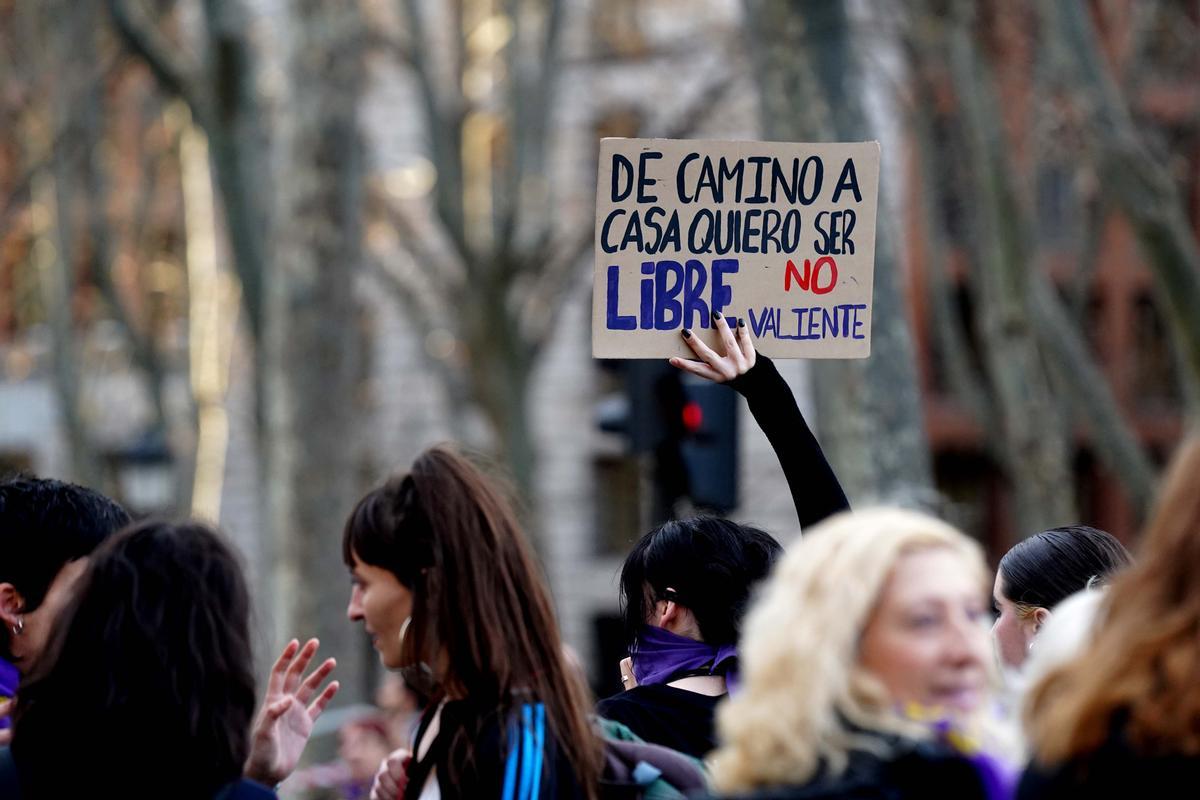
x: 1040, y: 616
x: 11, y: 606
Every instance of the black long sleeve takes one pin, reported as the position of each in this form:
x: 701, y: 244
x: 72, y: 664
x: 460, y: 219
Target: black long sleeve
x: 815, y: 489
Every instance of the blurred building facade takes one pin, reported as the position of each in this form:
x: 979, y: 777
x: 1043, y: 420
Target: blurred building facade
x: 1089, y: 249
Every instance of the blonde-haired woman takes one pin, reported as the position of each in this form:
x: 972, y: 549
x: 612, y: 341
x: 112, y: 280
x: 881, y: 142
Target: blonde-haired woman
x: 864, y: 663
x: 1122, y: 719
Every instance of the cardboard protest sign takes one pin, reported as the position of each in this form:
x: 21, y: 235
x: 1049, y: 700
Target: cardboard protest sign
x: 780, y: 236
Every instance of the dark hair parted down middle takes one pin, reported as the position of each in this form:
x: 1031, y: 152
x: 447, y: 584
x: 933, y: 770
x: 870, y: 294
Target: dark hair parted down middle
x: 481, y: 611
x: 148, y: 689
x: 712, y: 564
x: 1048, y: 567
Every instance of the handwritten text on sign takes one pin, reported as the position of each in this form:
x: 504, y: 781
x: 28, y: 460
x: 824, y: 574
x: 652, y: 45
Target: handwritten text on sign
x: 779, y: 236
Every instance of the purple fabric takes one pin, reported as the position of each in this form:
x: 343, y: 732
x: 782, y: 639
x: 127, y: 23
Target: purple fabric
x: 658, y: 655
x: 9, y: 679
x: 999, y: 782
x: 999, y: 779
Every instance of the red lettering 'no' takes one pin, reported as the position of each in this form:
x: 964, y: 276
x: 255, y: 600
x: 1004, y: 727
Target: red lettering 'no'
x: 811, y: 279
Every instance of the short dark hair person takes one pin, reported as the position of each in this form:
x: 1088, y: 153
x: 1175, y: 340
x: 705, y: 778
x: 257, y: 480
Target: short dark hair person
x: 44, y: 525
x: 710, y: 563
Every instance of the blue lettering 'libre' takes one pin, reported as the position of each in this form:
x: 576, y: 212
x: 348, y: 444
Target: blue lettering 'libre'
x: 722, y: 295
x: 693, y: 289
x: 667, y: 310
x: 647, y: 306
x: 614, y: 320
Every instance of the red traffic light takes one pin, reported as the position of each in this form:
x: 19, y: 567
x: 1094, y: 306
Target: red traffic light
x: 693, y: 416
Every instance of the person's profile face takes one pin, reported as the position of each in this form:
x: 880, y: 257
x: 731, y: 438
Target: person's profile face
x: 382, y: 604
x: 1011, y: 632
x: 27, y: 646
x: 927, y: 639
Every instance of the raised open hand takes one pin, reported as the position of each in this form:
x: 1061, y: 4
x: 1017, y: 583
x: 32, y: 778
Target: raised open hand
x: 290, y: 708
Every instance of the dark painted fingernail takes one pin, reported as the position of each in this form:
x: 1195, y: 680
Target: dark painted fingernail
x: 741, y: 323
x: 716, y: 316
x: 687, y: 334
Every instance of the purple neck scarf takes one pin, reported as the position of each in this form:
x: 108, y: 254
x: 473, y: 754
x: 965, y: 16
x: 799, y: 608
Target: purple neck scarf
x: 659, y: 656
x: 9, y: 679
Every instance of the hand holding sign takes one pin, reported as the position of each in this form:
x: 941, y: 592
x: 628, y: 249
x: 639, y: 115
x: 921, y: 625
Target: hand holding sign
x: 736, y: 357
x: 779, y: 237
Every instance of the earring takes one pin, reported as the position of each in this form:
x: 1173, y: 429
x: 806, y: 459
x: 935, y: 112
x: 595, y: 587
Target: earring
x: 20, y: 626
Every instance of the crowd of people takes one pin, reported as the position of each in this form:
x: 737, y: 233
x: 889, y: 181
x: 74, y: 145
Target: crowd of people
x: 874, y: 655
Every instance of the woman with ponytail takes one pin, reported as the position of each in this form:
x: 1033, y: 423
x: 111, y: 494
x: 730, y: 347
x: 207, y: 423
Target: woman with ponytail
x: 447, y: 585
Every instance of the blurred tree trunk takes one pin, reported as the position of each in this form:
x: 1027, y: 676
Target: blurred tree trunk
x: 1055, y: 325
x: 221, y: 93
x: 311, y: 344
x: 869, y: 411
x: 56, y: 192
x: 937, y: 171
x: 90, y: 105
x: 1136, y: 181
x: 1035, y: 439
x: 295, y: 236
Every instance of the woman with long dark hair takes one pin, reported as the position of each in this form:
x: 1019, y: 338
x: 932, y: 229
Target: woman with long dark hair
x: 447, y: 586
x: 147, y: 689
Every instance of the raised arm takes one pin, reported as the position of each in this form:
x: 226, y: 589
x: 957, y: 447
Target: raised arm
x: 815, y: 489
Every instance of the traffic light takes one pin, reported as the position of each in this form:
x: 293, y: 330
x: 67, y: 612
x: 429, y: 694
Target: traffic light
x: 687, y: 425
x: 709, y: 446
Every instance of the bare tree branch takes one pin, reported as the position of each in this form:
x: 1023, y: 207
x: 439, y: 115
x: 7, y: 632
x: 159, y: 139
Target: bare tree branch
x: 542, y: 309
x: 443, y: 123
x: 141, y: 35
x: 18, y: 196
x: 425, y: 317
x: 1036, y: 447
x: 1113, y: 438
x: 103, y: 253
x: 380, y: 41
x: 445, y: 273
x: 1139, y: 182
x: 533, y: 87
x: 693, y: 115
